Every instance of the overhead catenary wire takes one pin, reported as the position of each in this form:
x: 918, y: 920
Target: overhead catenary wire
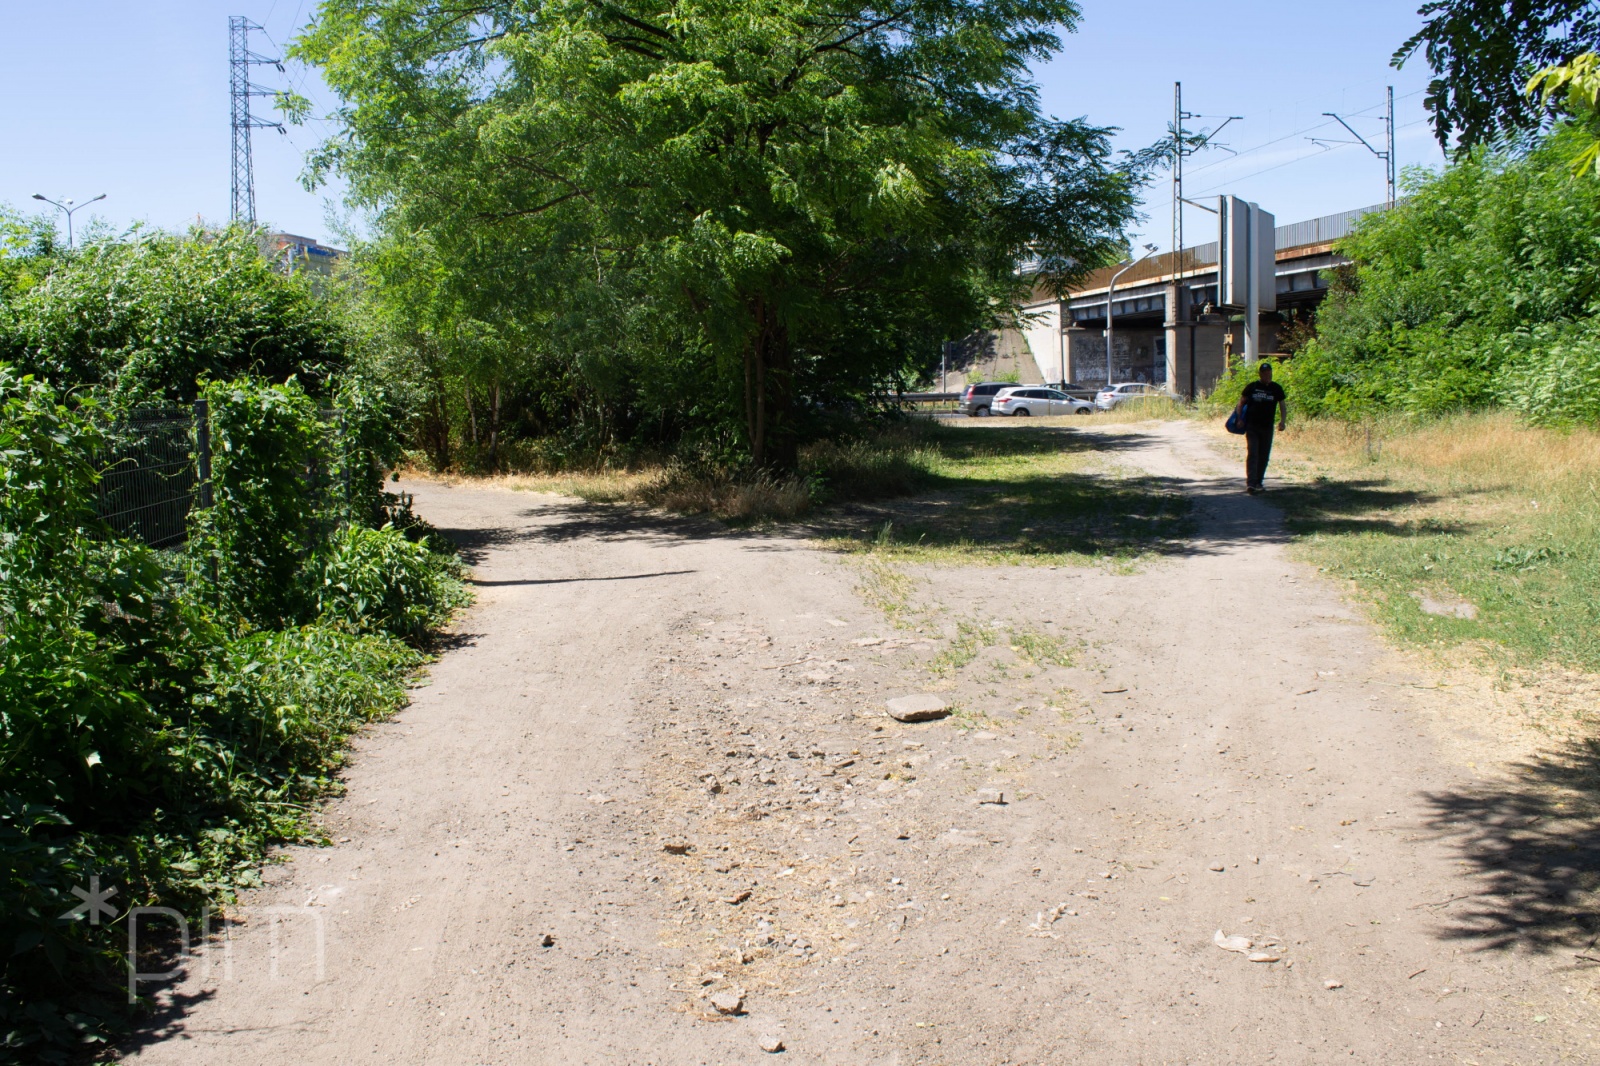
x: 1160, y: 207
x: 1298, y: 133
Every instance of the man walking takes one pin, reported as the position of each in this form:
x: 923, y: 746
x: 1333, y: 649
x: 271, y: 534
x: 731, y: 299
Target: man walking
x: 1263, y: 403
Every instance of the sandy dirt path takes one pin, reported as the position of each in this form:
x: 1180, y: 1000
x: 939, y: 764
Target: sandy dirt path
x: 653, y: 771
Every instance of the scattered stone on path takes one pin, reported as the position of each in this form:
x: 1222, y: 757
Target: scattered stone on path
x: 547, y: 941
x: 1444, y: 609
x: 677, y: 847
x: 867, y: 642
x: 1216, y: 867
x: 1331, y: 984
x: 963, y: 837
x: 1232, y: 943
x: 771, y: 1045
x: 992, y: 796
x: 737, y: 898
x: 1263, y: 956
x: 921, y: 707
x: 728, y: 1002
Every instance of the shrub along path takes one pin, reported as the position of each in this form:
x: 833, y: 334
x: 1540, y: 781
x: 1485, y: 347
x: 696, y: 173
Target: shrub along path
x: 653, y: 777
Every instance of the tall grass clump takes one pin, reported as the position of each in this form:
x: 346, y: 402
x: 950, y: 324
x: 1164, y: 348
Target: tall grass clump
x: 893, y: 462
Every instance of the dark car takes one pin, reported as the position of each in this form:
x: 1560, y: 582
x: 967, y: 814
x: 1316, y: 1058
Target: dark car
x: 975, y: 399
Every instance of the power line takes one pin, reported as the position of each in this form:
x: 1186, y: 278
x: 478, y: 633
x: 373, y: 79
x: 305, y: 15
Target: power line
x: 1296, y: 159
x: 1176, y: 201
x: 1299, y: 133
x: 1387, y: 156
x: 1163, y: 204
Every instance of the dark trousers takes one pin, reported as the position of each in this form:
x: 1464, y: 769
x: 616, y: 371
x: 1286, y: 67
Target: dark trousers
x: 1258, y: 449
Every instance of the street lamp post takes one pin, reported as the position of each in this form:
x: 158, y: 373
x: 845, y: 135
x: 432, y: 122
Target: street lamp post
x: 1111, y: 296
x: 68, y: 206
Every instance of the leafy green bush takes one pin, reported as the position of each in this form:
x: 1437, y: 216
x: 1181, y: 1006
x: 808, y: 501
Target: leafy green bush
x: 1455, y: 291
x: 146, y: 318
x: 270, y: 453
x: 152, y: 734
x: 278, y: 705
x: 1552, y: 375
x: 378, y: 581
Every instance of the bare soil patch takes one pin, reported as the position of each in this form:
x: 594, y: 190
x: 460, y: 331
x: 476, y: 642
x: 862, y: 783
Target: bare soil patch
x: 649, y: 810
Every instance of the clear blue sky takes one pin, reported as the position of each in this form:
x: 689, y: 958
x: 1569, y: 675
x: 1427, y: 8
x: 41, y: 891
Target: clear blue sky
x: 131, y: 99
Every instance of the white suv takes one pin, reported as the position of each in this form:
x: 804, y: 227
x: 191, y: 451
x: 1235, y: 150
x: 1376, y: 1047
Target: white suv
x: 1038, y: 400
x: 1106, y: 399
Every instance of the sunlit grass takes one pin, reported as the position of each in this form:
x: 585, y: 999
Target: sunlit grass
x: 1477, y: 509
x: 1038, y: 494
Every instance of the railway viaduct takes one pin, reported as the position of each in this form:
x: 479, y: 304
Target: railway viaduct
x: 1157, y: 309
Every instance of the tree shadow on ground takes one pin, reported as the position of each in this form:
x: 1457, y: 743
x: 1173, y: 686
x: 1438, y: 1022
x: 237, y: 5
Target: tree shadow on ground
x: 1357, y: 506
x: 1043, y: 514
x: 1535, y: 847
x: 1007, y: 440
x: 1095, y: 514
x: 1047, y: 515
x: 563, y: 519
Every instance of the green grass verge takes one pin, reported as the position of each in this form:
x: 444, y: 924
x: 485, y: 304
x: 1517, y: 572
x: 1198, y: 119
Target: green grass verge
x: 1473, y: 510
x: 1041, y: 494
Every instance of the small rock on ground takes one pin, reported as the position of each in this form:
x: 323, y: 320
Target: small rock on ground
x: 771, y: 1045
x: 921, y: 707
x: 992, y: 795
x: 728, y: 1002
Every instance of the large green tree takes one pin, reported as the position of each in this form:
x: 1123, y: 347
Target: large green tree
x: 733, y: 210
x: 1483, y: 52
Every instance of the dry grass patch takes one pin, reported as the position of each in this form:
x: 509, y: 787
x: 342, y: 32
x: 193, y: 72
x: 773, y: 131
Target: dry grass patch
x: 1476, y: 509
x: 1153, y: 408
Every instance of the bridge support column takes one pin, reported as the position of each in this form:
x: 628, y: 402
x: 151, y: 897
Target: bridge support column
x: 1177, y: 334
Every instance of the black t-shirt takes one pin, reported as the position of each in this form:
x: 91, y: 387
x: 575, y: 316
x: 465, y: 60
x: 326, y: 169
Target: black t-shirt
x: 1261, y: 400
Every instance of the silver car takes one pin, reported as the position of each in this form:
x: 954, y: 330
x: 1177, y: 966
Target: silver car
x: 1027, y: 400
x: 1106, y: 399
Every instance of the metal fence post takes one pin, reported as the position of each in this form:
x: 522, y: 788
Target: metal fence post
x: 343, y: 430
x: 202, y: 447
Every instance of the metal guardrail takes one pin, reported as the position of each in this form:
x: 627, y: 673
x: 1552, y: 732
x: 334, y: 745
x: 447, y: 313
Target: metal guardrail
x: 1324, y: 229
x: 1201, y: 257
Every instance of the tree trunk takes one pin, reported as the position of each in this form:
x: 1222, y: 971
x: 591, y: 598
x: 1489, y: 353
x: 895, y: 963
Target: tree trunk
x: 769, y: 394
x: 472, y: 416
x: 436, y: 421
x: 494, y: 429
x: 752, y: 352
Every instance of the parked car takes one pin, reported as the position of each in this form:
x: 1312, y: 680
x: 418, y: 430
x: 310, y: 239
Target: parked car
x: 1082, y: 392
x: 1027, y: 400
x: 975, y: 399
x: 1106, y: 399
